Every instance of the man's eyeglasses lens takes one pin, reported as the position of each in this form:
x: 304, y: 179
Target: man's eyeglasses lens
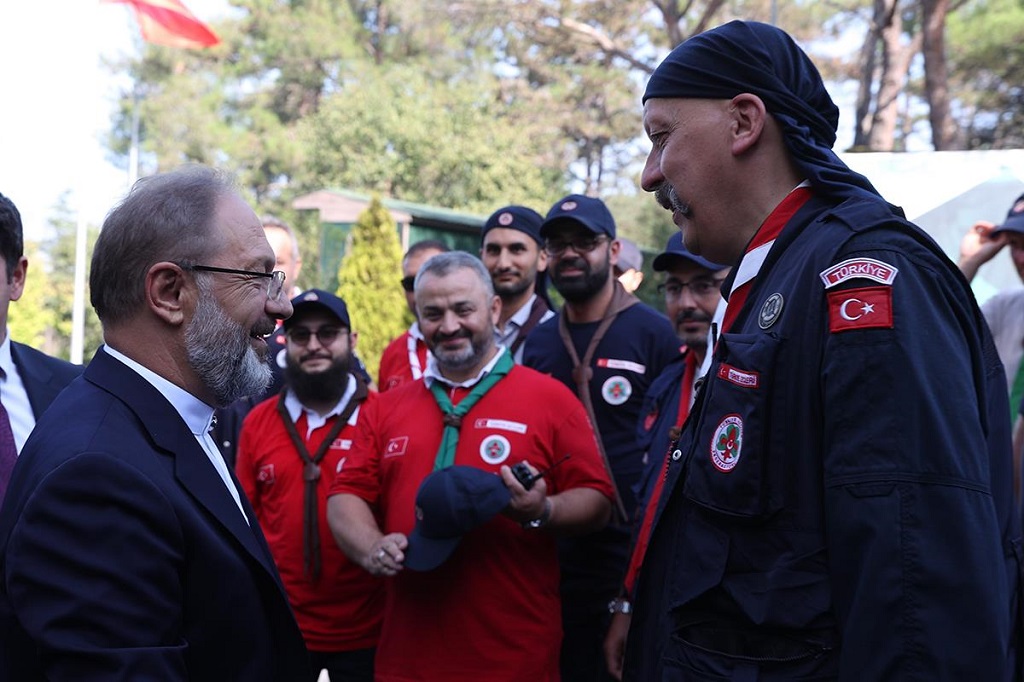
x: 275, y: 287
x: 556, y: 247
x: 698, y: 287
x: 408, y: 282
x: 326, y: 335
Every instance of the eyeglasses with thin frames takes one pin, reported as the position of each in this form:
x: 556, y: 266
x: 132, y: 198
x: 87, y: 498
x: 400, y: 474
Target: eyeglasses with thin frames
x: 325, y: 335
x: 701, y: 287
x: 275, y: 287
x: 583, y: 244
x: 409, y: 283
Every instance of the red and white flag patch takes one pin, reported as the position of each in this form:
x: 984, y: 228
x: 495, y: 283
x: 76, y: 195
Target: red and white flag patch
x: 396, y: 446
x: 858, y: 268
x: 866, y: 308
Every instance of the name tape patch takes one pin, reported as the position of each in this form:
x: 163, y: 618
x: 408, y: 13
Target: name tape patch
x: 858, y: 268
x: 738, y: 376
x: 866, y: 308
x: 502, y: 424
x: 627, y: 365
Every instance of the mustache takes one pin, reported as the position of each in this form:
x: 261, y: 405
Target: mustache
x: 440, y: 337
x: 264, y: 327
x: 573, y: 264
x: 692, y: 316
x: 666, y: 196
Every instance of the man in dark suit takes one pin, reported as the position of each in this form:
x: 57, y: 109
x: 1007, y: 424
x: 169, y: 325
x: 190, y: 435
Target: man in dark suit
x: 127, y: 551
x: 29, y: 379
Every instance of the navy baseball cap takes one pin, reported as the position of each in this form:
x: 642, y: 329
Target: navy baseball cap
x: 1014, y: 219
x: 515, y: 218
x: 589, y: 212
x: 450, y: 503
x: 675, y: 248
x: 319, y: 298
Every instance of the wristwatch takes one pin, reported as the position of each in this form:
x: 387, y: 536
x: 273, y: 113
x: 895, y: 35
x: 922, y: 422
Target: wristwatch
x: 620, y: 605
x: 541, y: 520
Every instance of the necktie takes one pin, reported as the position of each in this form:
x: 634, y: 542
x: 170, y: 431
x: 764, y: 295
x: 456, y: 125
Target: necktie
x: 453, y: 414
x: 8, y: 451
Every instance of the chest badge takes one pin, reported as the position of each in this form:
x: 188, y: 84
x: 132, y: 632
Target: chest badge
x: 495, y: 449
x: 616, y: 390
x: 727, y: 443
x: 770, y: 311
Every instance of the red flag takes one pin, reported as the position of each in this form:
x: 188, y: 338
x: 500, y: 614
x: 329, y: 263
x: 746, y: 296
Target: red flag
x: 169, y: 23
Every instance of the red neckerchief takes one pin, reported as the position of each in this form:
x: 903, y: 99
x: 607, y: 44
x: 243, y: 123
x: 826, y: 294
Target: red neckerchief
x: 769, y: 230
x: 644, y: 536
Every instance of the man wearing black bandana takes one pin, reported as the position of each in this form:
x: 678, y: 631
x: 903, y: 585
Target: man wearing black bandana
x: 839, y: 504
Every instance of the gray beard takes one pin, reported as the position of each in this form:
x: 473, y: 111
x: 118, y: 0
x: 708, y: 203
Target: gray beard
x: 220, y: 354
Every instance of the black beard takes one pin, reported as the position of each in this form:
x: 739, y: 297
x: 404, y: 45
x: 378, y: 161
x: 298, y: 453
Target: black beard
x: 326, y: 386
x: 579, y: 290
x: 507, y: 291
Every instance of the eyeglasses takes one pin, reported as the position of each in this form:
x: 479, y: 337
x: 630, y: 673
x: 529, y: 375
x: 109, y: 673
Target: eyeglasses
x: 275, y: 288
x: 556, y: 247
x: 408, y: 283
x: 700, y: 287
x: 325, y: 335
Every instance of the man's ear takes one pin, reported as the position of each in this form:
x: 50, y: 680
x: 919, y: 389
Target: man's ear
x: 168, y: 292
x: 748, y: 120
x: 17, y: 277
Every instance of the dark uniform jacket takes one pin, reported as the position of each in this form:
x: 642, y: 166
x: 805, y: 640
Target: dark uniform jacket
x: 842, y: 505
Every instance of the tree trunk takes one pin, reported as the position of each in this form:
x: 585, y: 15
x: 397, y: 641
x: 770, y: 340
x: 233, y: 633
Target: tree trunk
x: 895, y: 66
x: 945, y: 133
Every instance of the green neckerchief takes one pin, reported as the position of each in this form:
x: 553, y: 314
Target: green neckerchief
x: 1017, y: 391
x: 453, y: 414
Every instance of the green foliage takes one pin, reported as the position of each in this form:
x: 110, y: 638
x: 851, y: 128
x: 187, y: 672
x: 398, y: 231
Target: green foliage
x: 28, y: 318
x: 986, y: 59
x: 448, y: 144
x: 42, y: 317
x: 372, y: 264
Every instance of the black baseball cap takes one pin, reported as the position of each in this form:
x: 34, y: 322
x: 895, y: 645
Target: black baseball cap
x: 451, y: 502
x: 319, y: 298
x: 589, y: 212
x: 1014, y: 219
x: 515, y: 217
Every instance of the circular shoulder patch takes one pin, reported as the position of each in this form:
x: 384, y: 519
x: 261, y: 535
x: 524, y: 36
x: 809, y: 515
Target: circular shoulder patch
x: 770, y: 311
x: 616, y: 390
x: 495, y: 449
x: 727, y: 443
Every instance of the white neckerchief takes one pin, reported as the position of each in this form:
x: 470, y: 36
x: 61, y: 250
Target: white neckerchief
x: 752, y: 261
x: 415, y: 335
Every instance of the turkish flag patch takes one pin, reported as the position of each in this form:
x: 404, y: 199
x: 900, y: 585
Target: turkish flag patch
x: 866, y: 308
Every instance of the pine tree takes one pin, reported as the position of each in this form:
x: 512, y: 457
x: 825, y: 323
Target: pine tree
x: 368, y: 281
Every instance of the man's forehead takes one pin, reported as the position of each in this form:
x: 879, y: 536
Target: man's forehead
x: 506, y: 237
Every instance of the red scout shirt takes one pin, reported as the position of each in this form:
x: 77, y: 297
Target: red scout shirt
x: 399, y: 363
x: 343, y: 610
x: 491, y: 611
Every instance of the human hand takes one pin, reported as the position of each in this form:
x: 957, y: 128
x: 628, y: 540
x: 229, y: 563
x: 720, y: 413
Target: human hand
x: 978, y: 246
x: 386, y: 555
x: 525, y: 505
x: 615, y: 643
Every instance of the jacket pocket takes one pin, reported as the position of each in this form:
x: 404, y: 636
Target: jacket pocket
x: 729, y: 468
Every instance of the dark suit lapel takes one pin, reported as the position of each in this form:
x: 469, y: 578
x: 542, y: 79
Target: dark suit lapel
x: 37, y: 379
x: 192, y: 467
